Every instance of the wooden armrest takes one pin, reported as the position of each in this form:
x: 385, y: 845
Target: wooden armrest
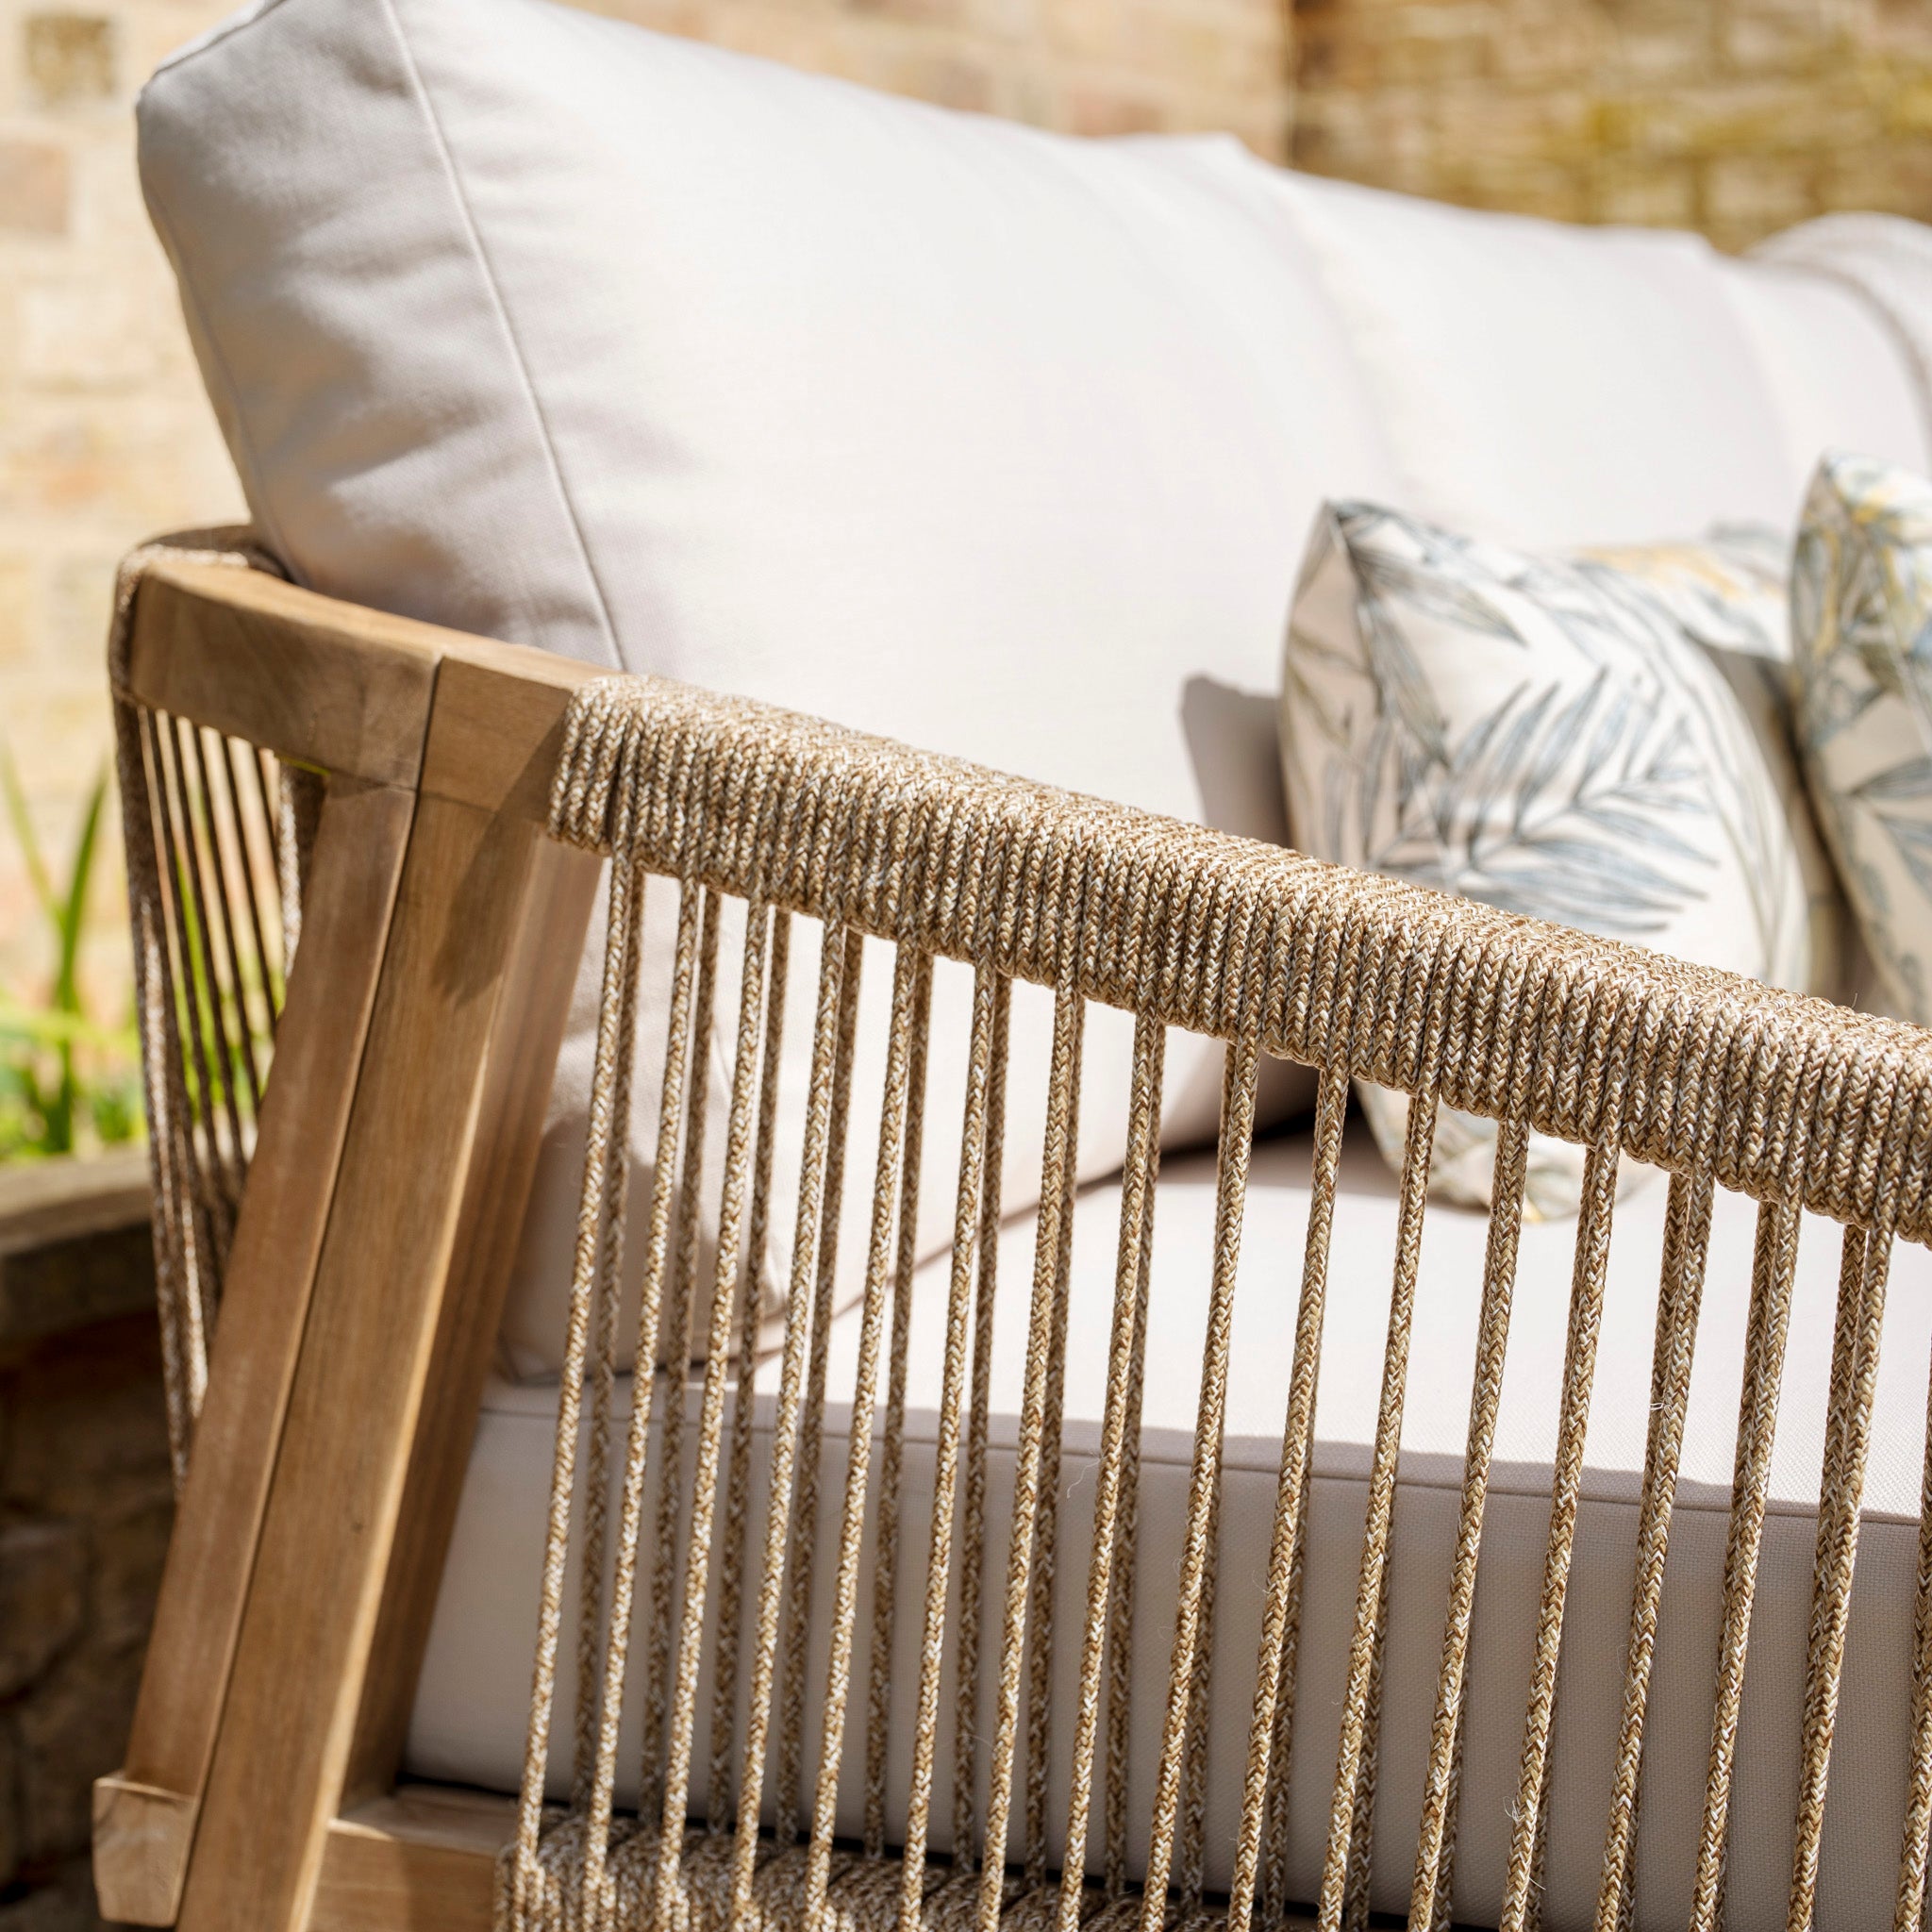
x: 361, y: 1292
x: 351, y: 690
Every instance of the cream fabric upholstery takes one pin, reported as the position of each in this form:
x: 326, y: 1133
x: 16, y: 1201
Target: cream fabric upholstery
x: 561, y: 331
x: 470, y: 1711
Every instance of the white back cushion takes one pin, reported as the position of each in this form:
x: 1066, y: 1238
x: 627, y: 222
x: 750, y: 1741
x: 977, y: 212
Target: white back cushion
x: 566, y: 332
x: 556, y: 330
x: 1549, y: 386
x: 563, y: 332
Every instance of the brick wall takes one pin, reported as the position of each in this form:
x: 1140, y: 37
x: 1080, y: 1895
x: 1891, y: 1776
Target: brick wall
x: 1736, y: 117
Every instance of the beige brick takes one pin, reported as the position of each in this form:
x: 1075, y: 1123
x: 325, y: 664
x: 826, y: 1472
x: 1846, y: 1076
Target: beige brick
x: 35, y: 187
x: 1758, y: 192
x: 68, y: 58
x: 86, y: 330
x: 928, y: 74
x: 1662, y: 195
x: 82, y: 590
x: 19, y: 610
x: 1098, y: 107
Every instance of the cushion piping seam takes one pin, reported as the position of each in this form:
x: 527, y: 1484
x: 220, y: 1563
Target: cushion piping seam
x: 486, y: 269
x: 217, y: 36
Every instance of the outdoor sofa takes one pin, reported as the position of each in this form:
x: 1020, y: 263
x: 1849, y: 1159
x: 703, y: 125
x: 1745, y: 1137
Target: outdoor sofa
x: 1233, y: 1531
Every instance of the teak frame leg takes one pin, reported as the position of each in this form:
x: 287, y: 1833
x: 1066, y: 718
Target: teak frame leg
x: 144, y: 1820
x: 444, y: 1128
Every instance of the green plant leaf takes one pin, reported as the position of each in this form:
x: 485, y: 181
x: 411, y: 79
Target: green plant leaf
x: 23, y: 823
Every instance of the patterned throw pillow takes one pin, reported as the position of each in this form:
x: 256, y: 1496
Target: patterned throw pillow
x: 1861, y: 623
x: 1599, y: 739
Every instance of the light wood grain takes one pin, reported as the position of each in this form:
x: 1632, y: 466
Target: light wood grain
x: 349, y: 689
x: 368, y: 1272
x: 423, y: 1859
x: 359, y: 845
x: 309, y: 678
x: 535, y: 1001
x: 140, y: 1850
x: 368, y: 1354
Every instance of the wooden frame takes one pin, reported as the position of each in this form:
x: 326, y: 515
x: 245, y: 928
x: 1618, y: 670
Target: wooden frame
x: 257, y: 1788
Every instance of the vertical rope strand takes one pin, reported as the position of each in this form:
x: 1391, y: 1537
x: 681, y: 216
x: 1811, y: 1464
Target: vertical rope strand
x: 1231, y: 1180
x: 1191, y: 1864
x: 1687, y: 1237
x: 743, y: 1395
x: 1837, y: 1558
x: 1137, y: 1211
x: 973, y: 1525
x: 892, y: 1459
x: 177, y: 1288
x: 675, y: 1377
x: 704, y: 1503
x: 1042, y: 1619
x: 1332, y: 988
x: 1069, y: 1014
x: 1362, y: 1832
x: 1120, y: 1608
x: 1917, y: 1831
x: 596, y: 1480
x: 830, y: 1027
x: 298, y: 816
x: 241, y: 761
x: 1767, y: 1326
x: 226, y: 990
x: 909, y: 975
x: 1579, y: 1372
x: 812, y: 1452
x: 1367, y: 1638
x: 972, y: 1137
x: 1492, y: 1339
x: 1281, y: 1607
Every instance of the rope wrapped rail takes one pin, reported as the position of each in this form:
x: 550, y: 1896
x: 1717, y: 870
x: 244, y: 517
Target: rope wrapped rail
x: 1771, y: 1093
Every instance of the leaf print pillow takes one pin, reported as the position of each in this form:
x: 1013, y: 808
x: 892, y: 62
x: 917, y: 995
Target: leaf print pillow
x: 1598, y: 739
x: 1861, y: 624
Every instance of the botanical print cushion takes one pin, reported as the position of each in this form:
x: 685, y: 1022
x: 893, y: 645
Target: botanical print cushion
x: 1861, y: 622
x: 1561, y: 736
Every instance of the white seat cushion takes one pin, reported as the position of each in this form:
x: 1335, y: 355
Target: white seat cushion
x: 471, y: 1705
